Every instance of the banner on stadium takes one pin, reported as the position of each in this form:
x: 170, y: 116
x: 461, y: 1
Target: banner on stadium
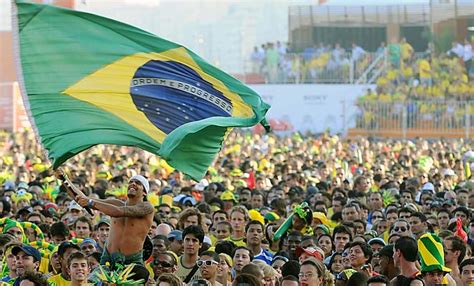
x: 312, y: 107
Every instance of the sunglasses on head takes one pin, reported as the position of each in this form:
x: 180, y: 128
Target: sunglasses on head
x: 206, y: 262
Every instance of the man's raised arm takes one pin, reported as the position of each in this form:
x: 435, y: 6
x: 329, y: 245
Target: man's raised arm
x: 110, y: 208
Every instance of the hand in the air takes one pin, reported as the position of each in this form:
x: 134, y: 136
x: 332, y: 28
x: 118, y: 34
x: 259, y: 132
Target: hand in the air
x: 82, y: 200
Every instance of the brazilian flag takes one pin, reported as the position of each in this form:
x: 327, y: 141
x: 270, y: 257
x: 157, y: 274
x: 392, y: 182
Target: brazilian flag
x: 89, y: 80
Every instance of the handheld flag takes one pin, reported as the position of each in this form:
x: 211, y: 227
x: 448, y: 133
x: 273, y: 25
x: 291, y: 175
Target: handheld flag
x: 89, y: 80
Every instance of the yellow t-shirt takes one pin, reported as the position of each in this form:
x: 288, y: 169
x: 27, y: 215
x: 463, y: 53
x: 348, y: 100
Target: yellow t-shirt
x: 237, y: 242
x: 407, y: 50
x: 385, y: 97
x: 58, y: 280
x: 425, y: 69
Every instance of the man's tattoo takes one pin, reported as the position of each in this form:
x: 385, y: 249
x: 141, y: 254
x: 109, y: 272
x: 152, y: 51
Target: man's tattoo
x: 139, y: 210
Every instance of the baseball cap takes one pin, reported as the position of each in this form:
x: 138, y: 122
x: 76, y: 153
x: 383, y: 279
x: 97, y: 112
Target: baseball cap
x: 88, y: 240
x: 103, y: 220
x: 9, y: 186
x: 27, y: 210
x: 166, y: 190
x: 387, y: 251
x: 207, y: 240
x: 22, y: 185
x: 428, y: 187
x: 74, y: 206
x: 199, y: 187
x: 176, y: 234
x: 377, y: 240
x: 312, y: 251
x: 29, y: 250
x: 449, y: 172
x: 65, y: 245
x: 189, y: 199
x: 228, y: 196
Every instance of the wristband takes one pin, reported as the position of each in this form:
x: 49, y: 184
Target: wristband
x: 90, y: 203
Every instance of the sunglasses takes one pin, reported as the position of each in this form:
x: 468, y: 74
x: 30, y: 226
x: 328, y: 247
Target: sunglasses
x: 376, y: 217
x: 206, y: 262
x: 162, y: 264
x: 402, y: 229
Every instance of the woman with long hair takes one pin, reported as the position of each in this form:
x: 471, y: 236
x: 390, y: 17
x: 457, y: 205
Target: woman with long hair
x: 325, y: 243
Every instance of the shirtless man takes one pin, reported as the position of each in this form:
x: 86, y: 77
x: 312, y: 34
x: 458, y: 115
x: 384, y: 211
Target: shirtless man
x: 131, y: 221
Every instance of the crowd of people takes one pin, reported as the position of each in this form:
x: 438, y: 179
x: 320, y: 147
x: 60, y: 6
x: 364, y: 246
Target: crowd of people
x: 434, y: 90
x: 440, y: 76
x: 298, y: 210
x: 322, y: 63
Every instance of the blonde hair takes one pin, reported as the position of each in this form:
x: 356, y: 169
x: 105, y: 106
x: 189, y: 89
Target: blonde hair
x: 242, y: 210
x: 268, y: 271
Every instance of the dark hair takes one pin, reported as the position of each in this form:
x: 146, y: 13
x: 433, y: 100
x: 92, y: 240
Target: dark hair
x: 225, y: 246
x: 194, y: 230
x: 6, y: 206
x: 243, y: 247
x: 360, y: 221
x: 216, y: 201
x: 408, y: 247
x: 419, y: 215
x: 389, y: 211
x: 457, y: 244
x: 204, y: 208
x: 169, y: 254
x: 290, y: 278
x: 95, y: 255
x: 220, y: 212
x: 469, y: 261
x: 254, y: 222
x: 341, y: 229
x: 464, y: 210
x: 59, y: 228
x: 257, y: 193
x: 162, y: 237
x: 212, y: 254
x: 333, y: 259
x: 65, y: 245
x: 226, y: 223
x: 290, y: 267
x: 340, y: 199
x: 378, y: 279
x: 357, y: 279
x: 405, y: 210
x: 313, y: 238
x: 83, y: 219
x: 365, y: 248
x: 36, y: 277
x: 76, y: 255
x: 444, y: 211
x: 246, y: 279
